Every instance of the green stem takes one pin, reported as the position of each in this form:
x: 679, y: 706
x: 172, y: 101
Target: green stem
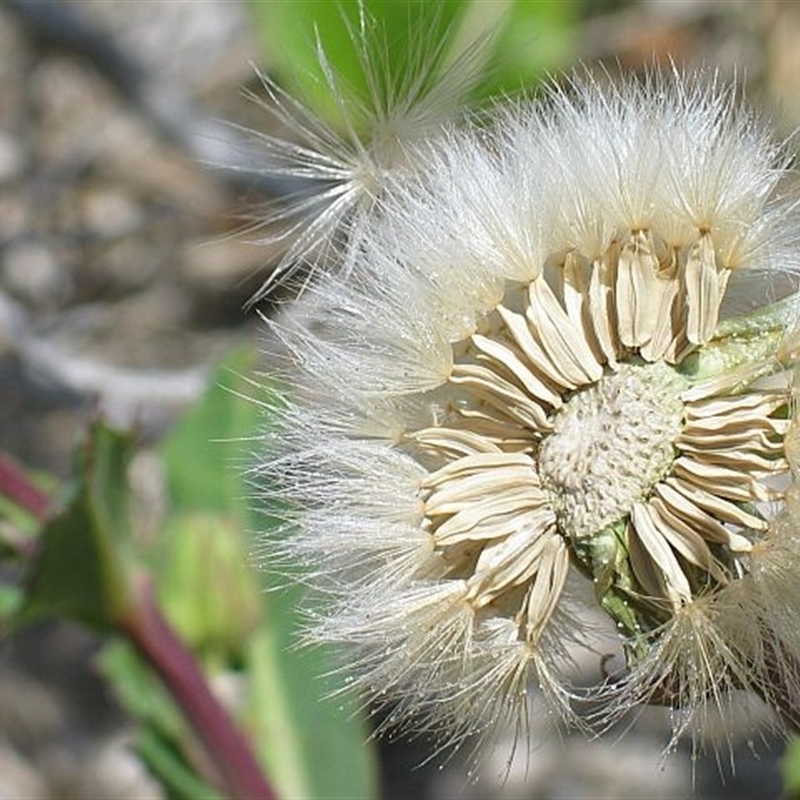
x: 751, y: 343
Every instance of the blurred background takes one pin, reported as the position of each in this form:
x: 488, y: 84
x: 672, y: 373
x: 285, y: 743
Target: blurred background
x: 127, y: 257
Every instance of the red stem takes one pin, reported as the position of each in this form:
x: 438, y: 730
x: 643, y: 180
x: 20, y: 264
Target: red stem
x: 157, y: 642
x: 227, y: 748
x: 16, y: 486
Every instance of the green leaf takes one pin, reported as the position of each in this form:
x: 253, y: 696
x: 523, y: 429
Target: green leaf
x: 530, y: 39
x: 79, y: 571
x: 207, y: 588
x: 178, y: 779
x: 140, y: 691
x: 11, y: 599
x: 205, y: 454
x: 289, y: 31
x: 163, y: 735
x: 313, y: 744
x: 536, y: 37
x: 791, y: 769
x: 311, y: 747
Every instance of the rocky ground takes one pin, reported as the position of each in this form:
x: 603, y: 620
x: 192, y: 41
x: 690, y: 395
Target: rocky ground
x: 124, y: 271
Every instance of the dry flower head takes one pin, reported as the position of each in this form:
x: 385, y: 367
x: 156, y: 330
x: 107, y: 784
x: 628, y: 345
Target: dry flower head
x: 527, y: 371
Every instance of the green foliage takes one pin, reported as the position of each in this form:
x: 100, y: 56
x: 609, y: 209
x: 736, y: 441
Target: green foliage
x: 204, y: 456
x: 79, y: 571
x: 163, y: 737
x: 290, y: 32
x: 18, y: 526
x: 11, y: 600
x: 529, y: 38
x: 87, y: 566
x: 312, y: 746
x: 207, y: 589
x: 323, y: 750
x: 791, y: 770
x: 535, y: 38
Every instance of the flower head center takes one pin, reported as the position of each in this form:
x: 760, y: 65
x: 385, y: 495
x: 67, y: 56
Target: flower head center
x: 611, y: 443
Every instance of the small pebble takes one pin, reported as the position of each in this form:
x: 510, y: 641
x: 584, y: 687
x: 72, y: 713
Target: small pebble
x: 12, y: 157
x: 111, y: 214
x: 31, y: 272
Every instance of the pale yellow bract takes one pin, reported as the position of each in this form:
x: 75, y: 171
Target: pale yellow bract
x: 571, y: 434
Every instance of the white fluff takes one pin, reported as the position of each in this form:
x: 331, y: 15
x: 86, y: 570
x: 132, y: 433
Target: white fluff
x: 483, y: 208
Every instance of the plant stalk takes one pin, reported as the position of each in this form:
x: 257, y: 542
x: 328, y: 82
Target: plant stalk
x: 154, y: 638
x: 17, y: 487
x: 142, y: 623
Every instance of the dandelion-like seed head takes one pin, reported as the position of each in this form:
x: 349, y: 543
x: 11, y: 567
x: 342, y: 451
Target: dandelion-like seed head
x: 616, y: 459
x: 532, y: 381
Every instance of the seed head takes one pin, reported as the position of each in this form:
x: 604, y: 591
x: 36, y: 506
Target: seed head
x: 535, y: 380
